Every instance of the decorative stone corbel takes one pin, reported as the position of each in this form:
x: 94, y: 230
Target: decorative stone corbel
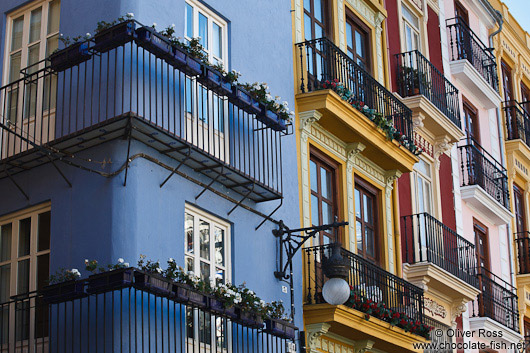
x: 390, y: 176
x: 441, y: 145
x: 352, y: 150
x: 307, y: 118
x: 363, y: 346
x: 417, y: 122
x: 314, y: 331
x: 457, y: 310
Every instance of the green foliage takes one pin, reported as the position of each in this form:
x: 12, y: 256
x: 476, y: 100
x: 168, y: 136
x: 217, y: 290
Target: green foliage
x: 63, y: 275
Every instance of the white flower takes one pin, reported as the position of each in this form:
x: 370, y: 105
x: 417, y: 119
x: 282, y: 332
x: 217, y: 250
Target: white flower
x: 171, y: 260
x: 154, y: 24
x: 88, y: 35
x: 285, y: 104
x: 61, y: 35
x: 120, y: 260
x: 75, y: 272
x: 268, y: 97
x: 159, y: 270
x: 172, y: 25
x: 86, y: 261
x: 130, y: 15
x: 126, y: 264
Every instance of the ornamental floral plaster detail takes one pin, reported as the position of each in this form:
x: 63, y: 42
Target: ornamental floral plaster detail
x: 314, y: 331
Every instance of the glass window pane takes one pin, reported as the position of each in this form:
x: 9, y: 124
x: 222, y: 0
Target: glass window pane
x: 326, y: 183
x: 370, y: 246
x: 43, y: 240
x: 51, y: 44
x: 410, y: 17
x: 205, y: 271
x: 43, y: 270
x: 34, y: 25
x: 50, y: 92
x: 219, y: 246
x: 318, y: 31
x: 5, y: 280
x: 359, y: 235
x: 204, y: 230
x: 307, y: 27
x: 16, y: 36
x: 24, y: 236
x: 307, y: 5
x: 53, y: 16
x: 189, y: 233
x: 14, y: 67
x: 349, y: 37
x: 313, y: 175
x: 367, y: 209
x: 327, y: 213
x: 33, y: 58
x: 421, y: 196
x: 314, y: 210
x: 318, y: 10
x: 219, y: 276
x: 5, y: 242
x: 217, y: 39
x: 189, y: 21
x: 358, y: 209
x: 203, y: 30
x: 23, y: 277
x: 190, y: 264
x: 359, y: 44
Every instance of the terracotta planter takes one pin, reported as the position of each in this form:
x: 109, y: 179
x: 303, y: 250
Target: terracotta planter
x: 115, y: 36
x: 110, y: 280
x: 62, y: 292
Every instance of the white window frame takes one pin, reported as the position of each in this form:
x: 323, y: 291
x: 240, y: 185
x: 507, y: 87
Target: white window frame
x: 214, y: 222
x: 198, y: 214
x: 44, y: 36
x: 14, y: 219
x: 212, y: 18
x: 417, y: 175
x: 413, y: 29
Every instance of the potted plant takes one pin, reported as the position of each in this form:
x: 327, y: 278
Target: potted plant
x: 110, y: 35
x: 413, y: 80
x: 224, y: 300
x: 74, y: 53
x: 251, y: 309
x: 154, y: 42
x: 63, y: 286
x: 273, y: 113
x: 277, y: 323
x: 242, y: 99
x: 112, y: 277
x: 215, y: 81
x: 150, y: 277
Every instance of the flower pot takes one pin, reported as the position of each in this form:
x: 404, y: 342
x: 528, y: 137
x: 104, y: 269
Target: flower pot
x: 181, y: 292
x: 73, y: 55
x: 110, y: 280
x: 115, y: 36
x: 178, y: 57
x: 61, y: 292
x: 246, y: 318
x: 243, y: 100
x: 153, y: 283
x: 197, y: 298
x: 280, y: 328
x: 271, y: 119
x: 217, y: 306
x: 215, y: 81
x: 192, y: 67
x: 154, y: 42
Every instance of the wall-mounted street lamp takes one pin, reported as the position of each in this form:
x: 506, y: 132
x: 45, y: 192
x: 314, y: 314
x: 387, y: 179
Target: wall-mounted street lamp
x: 336, y: 290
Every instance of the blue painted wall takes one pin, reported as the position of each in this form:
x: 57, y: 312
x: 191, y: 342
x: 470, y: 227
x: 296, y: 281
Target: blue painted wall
x: 100, y: 218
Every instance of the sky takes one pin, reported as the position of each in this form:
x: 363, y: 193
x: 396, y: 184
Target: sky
x: 519, y: 10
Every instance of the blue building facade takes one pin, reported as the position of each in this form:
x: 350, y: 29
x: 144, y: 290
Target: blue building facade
x: 124, y: 154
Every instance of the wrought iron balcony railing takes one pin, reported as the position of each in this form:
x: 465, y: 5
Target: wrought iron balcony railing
x: 478, y: 167
x: 132, y: 91
x: 517, y: 121
x: 498, y: 300
x: 322, y: 60
x: 522, y: 240
x: 127, y: 320
x: 417, y: 75
x: 429, y: 240
x: 465, y: 44
x: 368, y: 279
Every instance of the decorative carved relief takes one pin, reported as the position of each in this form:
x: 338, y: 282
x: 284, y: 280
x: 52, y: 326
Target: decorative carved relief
x: 363, y: 346
x: 457, y: 310
x: 314, y: 331
x: 434, y: 308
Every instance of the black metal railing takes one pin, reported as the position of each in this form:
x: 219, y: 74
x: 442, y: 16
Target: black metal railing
x: 368, y: 279
x: 186, y: 119
x: 517, y: 121
x: 125, y: 320
x: 498, y: 300
x: 417, y: 75
x: 522, y: 241
x: 442, y: 338
x: 321, y: 60
x: 478, y: 167
x: 465, y: 44
x: 429, y: 240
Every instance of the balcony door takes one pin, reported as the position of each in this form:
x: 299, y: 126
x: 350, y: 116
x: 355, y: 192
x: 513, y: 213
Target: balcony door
x: 324, y: 198
x: 481, y: 245
x: 366, y: 221
x: 525, y: 97
x: 461, y: 13
x: 317, y: 23
x: 424, y: 204
x: 523, y: 242
x: 471, y: 126
x: 358, y: 41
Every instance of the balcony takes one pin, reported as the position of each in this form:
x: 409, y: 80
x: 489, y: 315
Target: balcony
x: 132, y: 92
x: 473, y: 63
x: 435, y: 252
x: 484, y: 183
x: 522, y: 241
x: 127, y: 319
x: 321, y: 60
x: 432, y: 98
x: 370, y: 282
x: 496, y: 307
